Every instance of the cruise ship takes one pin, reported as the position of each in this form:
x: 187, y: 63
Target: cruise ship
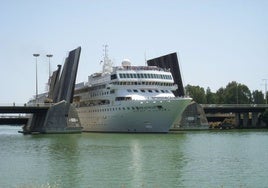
x: 129, y: 99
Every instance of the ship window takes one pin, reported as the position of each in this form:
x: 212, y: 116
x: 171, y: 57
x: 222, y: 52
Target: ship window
x: 145, y: 75
x: 127, y: 75
x: 129, y: 90
x: 134, y: 75
x: 138, y: 75
x: 135, y: 90
x: 162, y: 91
x: 123, y: 108
x: 128, y: 108
x: 124, y: 75
x: 156, y: 91
x: 113, y: 76
x: 120, y: 75
x: 150, y: 91
x: 131, y: 75
x: 142, y: 90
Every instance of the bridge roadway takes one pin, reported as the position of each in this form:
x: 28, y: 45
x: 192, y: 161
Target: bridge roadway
x: 11, y: 114
x: 20, y: 109
x: 235, y: 108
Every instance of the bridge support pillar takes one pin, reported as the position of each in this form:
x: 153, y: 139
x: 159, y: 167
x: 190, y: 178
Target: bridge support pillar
x: 237, y: 119
x: 245, y: 120
x: 254, y: 119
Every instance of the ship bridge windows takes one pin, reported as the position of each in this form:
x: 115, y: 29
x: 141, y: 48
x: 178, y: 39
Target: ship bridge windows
x: 149, y: 91
x: 142, y: 75
x: 143, y: 83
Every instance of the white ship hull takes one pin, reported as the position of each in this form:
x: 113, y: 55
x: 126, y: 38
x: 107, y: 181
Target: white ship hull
x: 143, y: 116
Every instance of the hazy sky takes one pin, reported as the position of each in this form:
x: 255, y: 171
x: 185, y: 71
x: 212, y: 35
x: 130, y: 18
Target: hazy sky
x: 217, y: 41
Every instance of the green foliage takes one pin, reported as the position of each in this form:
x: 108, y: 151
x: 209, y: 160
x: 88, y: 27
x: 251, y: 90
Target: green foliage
x: 233, y: 93
x: 258, y: 97
x: 197, y: 93
x: 211, y: 97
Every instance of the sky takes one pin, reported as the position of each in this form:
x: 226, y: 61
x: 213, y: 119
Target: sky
x: 217, y: 41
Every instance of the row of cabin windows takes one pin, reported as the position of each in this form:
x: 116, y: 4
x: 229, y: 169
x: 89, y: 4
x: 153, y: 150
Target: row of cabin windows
x: 129, y: 90
x: 143, y: 75
x: 143, y: 83
x: 122, y: 108
x: 99, y: 94
x: 149, y: 90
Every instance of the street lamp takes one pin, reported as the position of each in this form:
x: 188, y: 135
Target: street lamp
x: 36, y: 77
x: 265, y: 94
x: 49, y: 72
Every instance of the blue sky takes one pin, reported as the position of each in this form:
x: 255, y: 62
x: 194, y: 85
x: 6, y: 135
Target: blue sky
x: 217, y: 41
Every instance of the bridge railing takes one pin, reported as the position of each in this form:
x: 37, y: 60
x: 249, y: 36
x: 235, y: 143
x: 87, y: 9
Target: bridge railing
x: 234, y: 105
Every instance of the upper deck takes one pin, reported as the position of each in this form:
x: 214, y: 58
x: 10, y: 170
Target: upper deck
x: 139, y: 68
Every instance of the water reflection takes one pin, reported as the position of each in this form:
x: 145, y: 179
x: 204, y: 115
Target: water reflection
x: 63, y: 160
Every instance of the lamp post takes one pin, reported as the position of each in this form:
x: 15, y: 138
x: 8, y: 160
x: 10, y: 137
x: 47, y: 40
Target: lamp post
x: 36, y: 77
x: 265, y: 85
x: 49, y: 72
x: 236, y: 93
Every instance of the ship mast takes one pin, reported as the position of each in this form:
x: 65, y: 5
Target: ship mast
x: 107, y: 63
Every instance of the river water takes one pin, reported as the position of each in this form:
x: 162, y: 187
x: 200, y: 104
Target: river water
x: 184, y: 159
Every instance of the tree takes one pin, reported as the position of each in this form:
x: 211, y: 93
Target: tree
x: 258, y: 97
x: 220, y: 96
x: 210, y: 97
x: 236, y: 93
x: 197, y: 93
x: 231, y: 93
